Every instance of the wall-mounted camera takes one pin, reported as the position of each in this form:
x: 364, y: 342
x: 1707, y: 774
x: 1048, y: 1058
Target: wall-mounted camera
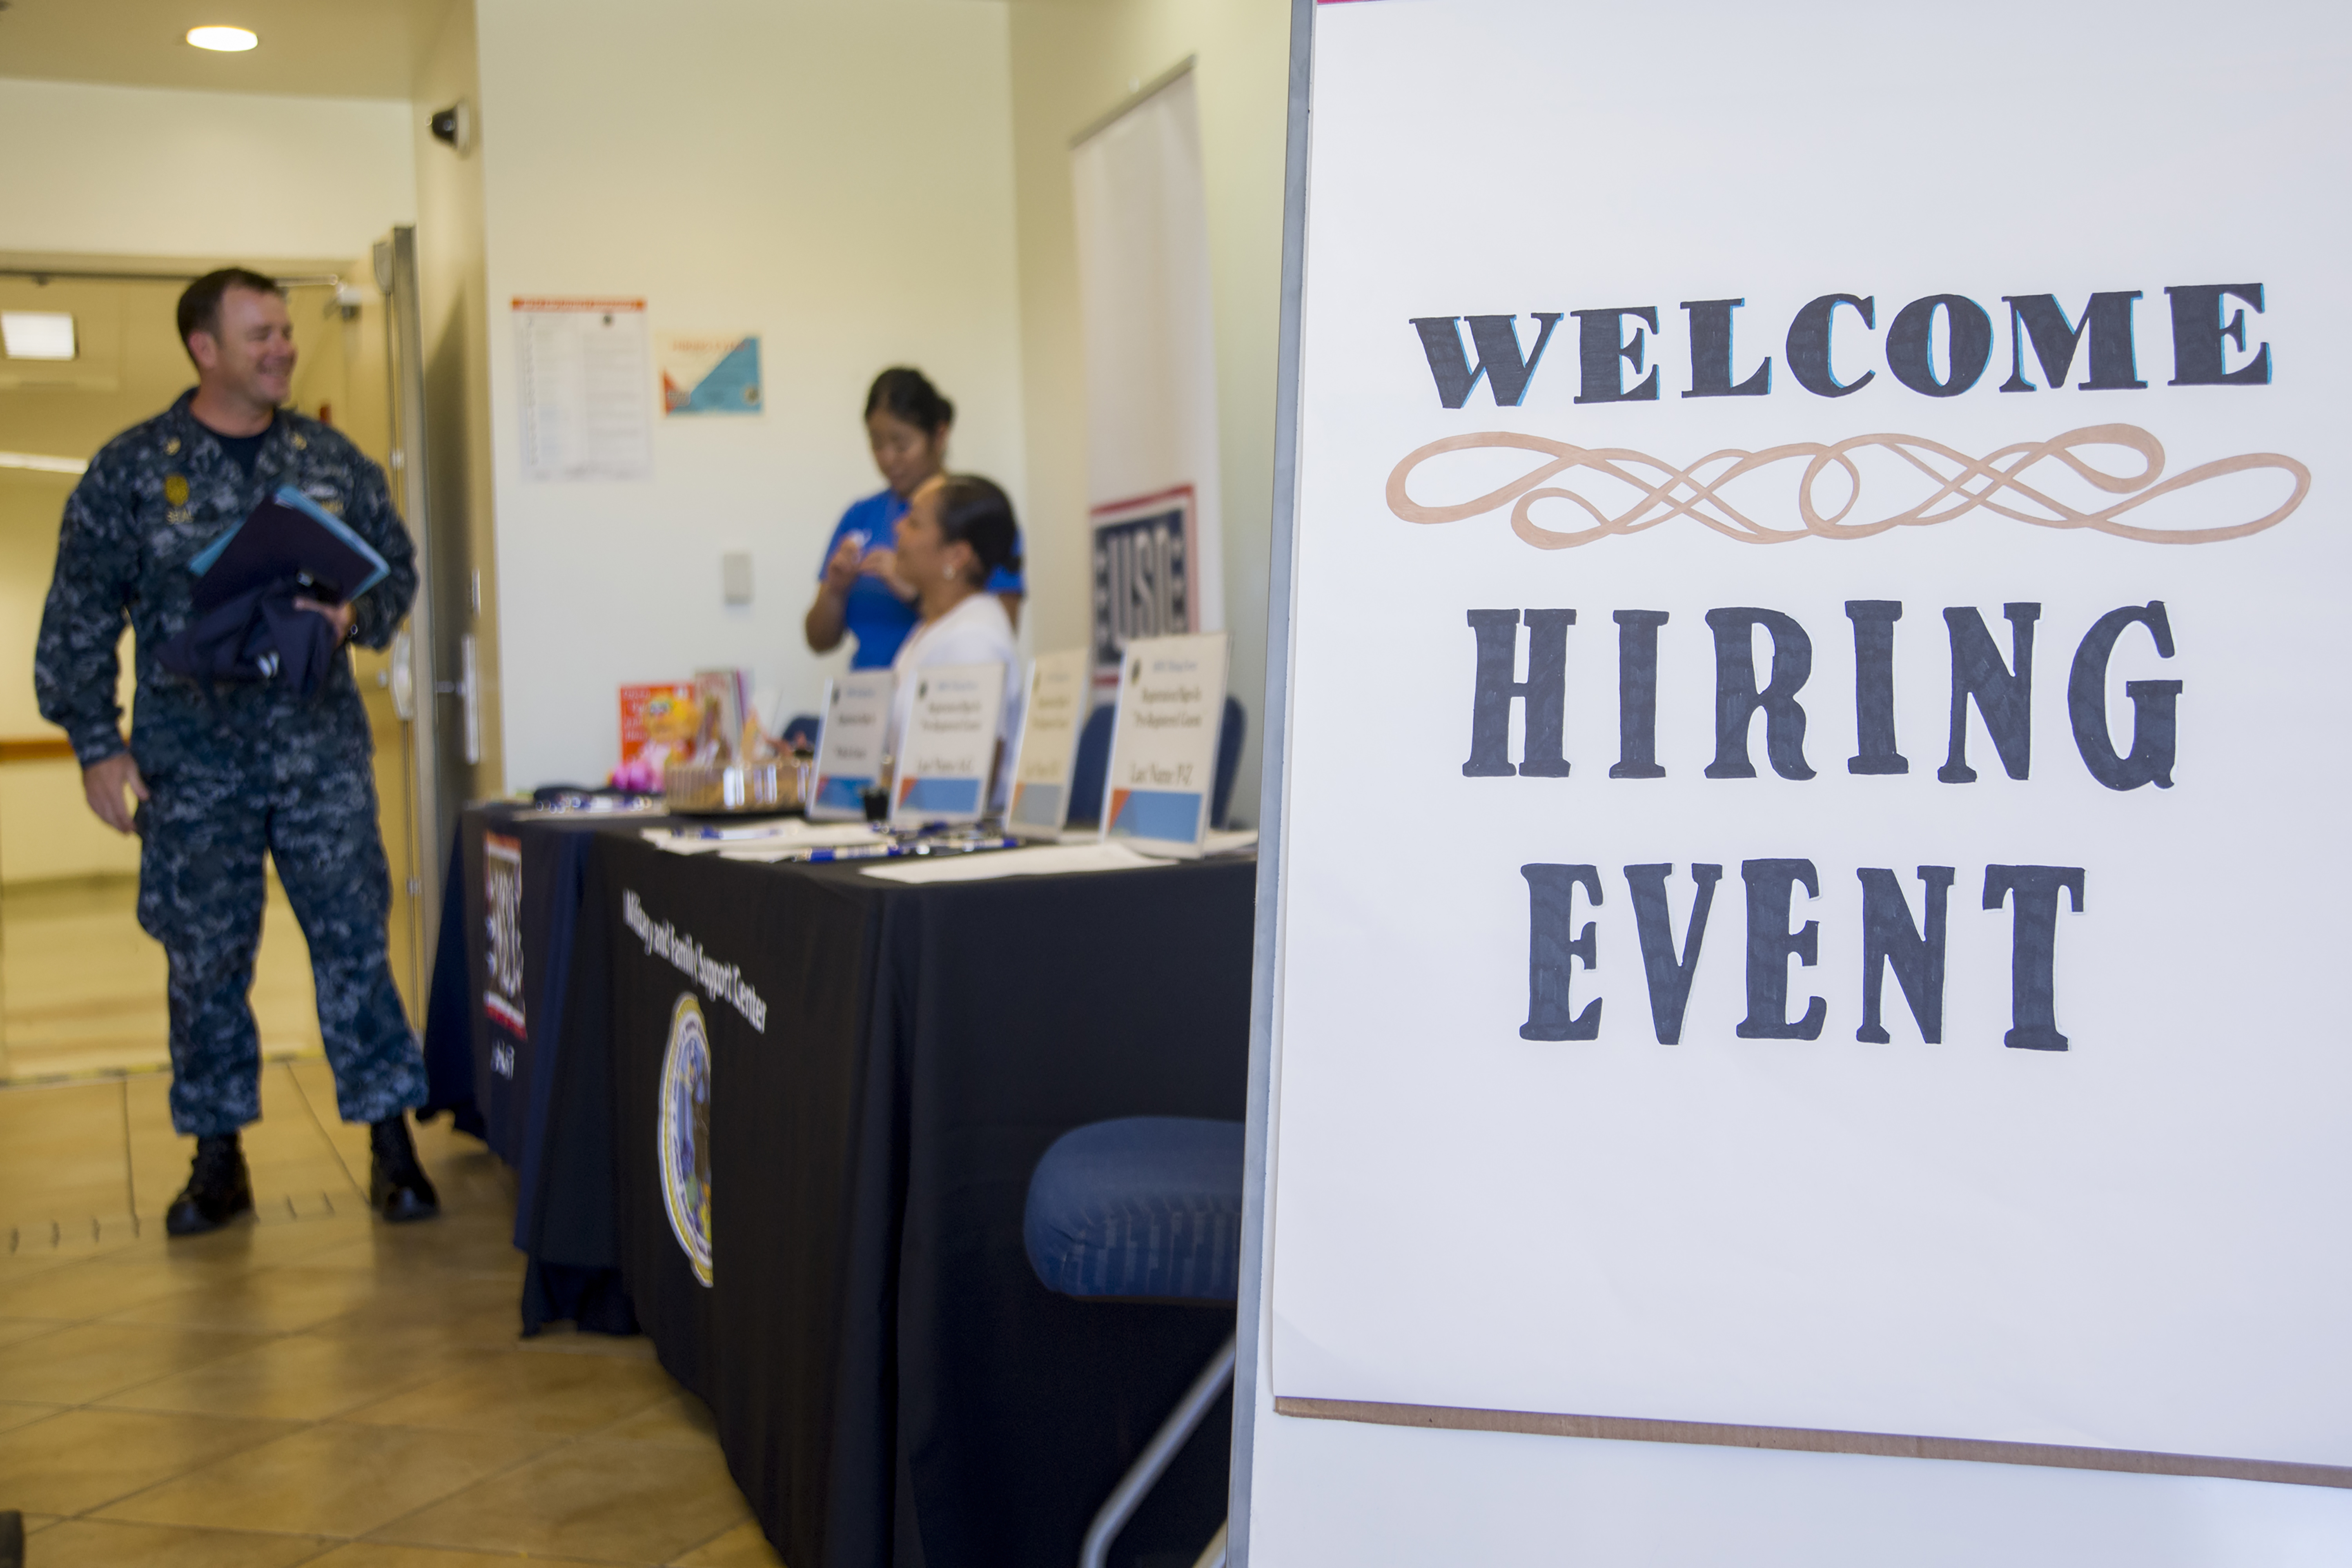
x: 455, y: 126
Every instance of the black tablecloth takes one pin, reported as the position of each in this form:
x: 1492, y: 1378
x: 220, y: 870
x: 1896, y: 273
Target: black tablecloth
x: 494, y: 1031
x: 449, y: 1011
x: 891, y: 1383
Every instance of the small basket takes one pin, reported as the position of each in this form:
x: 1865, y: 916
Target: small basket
x: 719, y: 789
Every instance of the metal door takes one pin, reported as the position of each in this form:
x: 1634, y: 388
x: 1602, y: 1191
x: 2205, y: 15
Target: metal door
x: 432, y: 671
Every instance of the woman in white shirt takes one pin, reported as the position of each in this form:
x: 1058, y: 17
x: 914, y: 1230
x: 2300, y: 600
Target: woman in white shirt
x: 958, y: 531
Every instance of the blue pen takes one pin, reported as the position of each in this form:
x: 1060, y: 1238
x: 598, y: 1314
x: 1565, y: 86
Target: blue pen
x: 893, y: 852
x: 744, y: 835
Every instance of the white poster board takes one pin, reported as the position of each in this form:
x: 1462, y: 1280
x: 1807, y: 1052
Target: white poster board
x: 947, y: 758
x: 1159, y: 788
x: 1047, y: 752
x: 1856, y: 1078
x: 850, y: 748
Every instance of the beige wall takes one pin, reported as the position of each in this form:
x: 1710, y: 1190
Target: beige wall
x: 1072, y: 61
x: 108, y: 169
x: 835, y: 175
x: 98, y: 176
x: 45, y: 829
x: 453, y: 265
x: 131, y: 367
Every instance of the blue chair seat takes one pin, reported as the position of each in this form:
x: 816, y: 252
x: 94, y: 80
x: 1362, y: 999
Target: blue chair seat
x: 1145, y: 1206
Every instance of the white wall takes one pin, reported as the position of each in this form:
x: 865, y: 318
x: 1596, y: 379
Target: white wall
x: 836, y: 177
x: 1072, y: 61
x: 130, y: 171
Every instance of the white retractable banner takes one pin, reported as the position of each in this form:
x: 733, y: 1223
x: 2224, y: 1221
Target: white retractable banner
x: 1801, y: 1023
x: 1142, y: 214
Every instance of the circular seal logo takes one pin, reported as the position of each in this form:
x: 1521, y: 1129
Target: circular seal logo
x: 683, y: 1131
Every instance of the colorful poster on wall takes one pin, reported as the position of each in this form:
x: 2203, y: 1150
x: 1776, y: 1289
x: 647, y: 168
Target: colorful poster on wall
x: 708, y: 373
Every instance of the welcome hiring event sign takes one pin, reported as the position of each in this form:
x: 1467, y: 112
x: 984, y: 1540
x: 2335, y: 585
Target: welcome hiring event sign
x: 1829, y: 523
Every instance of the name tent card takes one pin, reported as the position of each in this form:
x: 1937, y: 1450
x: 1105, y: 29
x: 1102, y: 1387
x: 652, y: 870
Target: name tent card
x: 849, y: 751
x: 1164, y: 749
x: 1059, y: 686
x: 948, y: 756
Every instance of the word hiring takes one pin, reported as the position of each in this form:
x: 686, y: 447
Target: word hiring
x: 1613, y: 346
x: 1891, y: 940
x: 2001, y: 688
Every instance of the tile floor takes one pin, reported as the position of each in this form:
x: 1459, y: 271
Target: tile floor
x: 312, y: 1386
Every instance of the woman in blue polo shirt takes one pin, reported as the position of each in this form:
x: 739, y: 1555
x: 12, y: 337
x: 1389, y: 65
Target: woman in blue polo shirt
x: 859, y: 591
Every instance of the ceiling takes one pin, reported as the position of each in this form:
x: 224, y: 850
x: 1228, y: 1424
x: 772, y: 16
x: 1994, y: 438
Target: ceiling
x: 322, y: 49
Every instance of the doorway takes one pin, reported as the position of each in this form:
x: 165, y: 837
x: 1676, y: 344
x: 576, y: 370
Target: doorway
x: 81, y: 986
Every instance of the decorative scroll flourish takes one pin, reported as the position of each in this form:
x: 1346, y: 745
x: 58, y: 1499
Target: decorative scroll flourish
x: 2000, y: 483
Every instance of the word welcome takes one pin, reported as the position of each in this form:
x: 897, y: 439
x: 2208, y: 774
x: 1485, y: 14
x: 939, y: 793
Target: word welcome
x: 1999, y: 687
x: 721, y: 982
x: 1613, y: 344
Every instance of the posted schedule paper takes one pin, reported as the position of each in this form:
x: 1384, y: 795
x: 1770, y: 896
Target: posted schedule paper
x: 585, y: 390
x: 1868, y: 609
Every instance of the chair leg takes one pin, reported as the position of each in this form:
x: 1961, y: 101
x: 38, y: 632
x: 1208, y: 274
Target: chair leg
x: 1142, y: 1475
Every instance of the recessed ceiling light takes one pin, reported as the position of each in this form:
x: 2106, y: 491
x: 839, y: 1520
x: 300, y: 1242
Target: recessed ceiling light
x: 36, y: 334
x: 227, y: 40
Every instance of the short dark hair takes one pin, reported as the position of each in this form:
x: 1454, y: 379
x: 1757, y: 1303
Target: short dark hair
x: 907, y: 395
x: 973, y: 511
x: 199, y: 303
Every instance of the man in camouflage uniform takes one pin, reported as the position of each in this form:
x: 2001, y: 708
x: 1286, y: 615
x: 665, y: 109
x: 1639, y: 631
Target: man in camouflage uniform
x: 248, y: 766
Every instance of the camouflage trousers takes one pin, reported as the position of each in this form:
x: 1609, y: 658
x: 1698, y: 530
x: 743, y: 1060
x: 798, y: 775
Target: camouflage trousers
x: 201, y: 892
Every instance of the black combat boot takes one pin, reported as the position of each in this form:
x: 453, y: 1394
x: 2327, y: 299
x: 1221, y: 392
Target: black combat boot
x: 219, y: 1189
x: 397, y: 1184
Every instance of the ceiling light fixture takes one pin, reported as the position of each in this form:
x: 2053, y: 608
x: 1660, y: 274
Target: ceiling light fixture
x: 36, y: 334
x: 226, y: 40
x: 41, y: 465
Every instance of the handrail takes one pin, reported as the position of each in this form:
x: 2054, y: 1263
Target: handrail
x: 33, y: 748
x: 38, y: 464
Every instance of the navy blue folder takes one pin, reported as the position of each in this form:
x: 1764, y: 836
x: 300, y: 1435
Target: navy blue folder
x: 289, y: 537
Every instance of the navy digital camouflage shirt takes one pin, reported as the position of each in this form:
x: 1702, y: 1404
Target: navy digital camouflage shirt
x: 152, y: 499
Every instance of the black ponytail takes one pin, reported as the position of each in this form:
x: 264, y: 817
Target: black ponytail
x: 907, y: 395
x: 973, y: 511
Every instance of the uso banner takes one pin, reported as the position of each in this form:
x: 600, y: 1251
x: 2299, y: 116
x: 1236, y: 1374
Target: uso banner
x: 1830, y: 522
